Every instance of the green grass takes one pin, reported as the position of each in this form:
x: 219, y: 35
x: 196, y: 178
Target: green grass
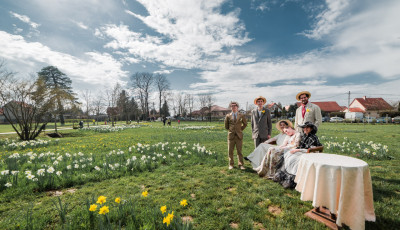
x: 218, y: 198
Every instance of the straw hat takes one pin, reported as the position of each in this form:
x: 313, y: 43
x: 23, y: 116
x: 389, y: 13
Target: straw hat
x: 258, y: 98
x: 290, y: 124
x: 301, y: 93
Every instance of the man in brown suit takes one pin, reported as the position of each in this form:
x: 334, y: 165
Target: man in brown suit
x: 235, y: 123
x: 260, y: 122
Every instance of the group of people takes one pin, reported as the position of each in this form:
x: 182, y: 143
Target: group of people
x: 275, y: 158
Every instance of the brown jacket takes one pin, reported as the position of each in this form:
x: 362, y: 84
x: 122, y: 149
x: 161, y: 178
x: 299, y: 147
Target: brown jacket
x: 235, y: 128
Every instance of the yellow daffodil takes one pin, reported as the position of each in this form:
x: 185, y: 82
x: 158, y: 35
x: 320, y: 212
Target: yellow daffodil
x: 145, y: 193
x: 104, y: 210
x: 184, y: 203
x: 263, y: 111
x: 166, y: 220
x: 93, y: 208
x: 118, y: 200
x: 101, y: 200
x: 308, y: 110
x: 171, y: 215
x: 163, y: 209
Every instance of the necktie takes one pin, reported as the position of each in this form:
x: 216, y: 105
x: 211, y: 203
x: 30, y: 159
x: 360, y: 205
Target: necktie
x: 303, y: 111
x: 234, y: 116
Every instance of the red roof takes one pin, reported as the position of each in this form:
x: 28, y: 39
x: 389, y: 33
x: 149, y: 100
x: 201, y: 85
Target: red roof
x: 356, y: 110
x: 374, y: 103
x: 216, y: 108
x: 326, y: 106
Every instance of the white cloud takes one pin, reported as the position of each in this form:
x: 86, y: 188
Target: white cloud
x: 25, y: 19
x: 328, y: 19
x: 165, y: 71
x: 191, y: 34
x: 93, y: 68
x: 80, y: 25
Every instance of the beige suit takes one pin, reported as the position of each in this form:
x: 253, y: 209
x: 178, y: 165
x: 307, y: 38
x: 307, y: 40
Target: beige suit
x: 313, y: 114
x: 235, y: 135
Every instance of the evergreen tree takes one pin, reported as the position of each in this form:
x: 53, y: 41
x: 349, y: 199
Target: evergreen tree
x: 165, y: 110
x: 60, y: 88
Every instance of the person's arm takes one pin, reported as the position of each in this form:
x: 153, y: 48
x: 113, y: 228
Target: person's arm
x: 275, y: 138
x: 226, y: 122
x: 318, y: 115
x: 244, y: 122
x: 269, y: 123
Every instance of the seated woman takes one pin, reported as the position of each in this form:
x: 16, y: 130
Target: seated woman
x: 286, y: 174
x: 258, y: 154
x: 273, y: 157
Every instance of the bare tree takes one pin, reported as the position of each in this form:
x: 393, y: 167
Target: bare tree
x: 112, y: 99
x: 202, y: 98
x: 98, y: 105
x: 25, y: 104
x: 162, y: 85
x: 87, y: 97
x: 180, y: 103
x: 210, y: 101
x: 189, y: 102
x: 141, y: 83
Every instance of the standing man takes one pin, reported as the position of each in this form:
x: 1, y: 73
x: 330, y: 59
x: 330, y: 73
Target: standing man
x: 260, y: 121
x: 306, y: 112
x: 235, y: 123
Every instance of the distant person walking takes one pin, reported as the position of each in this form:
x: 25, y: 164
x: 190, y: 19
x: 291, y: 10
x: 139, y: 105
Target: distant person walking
x: 164, y: 120
x: 261, y: 124
x: 235, y: 123
x: 306, y: 112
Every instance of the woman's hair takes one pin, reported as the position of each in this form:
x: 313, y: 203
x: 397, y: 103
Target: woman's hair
x: 284, y: 122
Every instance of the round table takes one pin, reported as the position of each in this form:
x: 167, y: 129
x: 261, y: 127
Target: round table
x: 340, y: 183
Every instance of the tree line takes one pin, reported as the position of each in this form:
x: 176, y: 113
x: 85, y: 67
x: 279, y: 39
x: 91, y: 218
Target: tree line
x: 30, y: 104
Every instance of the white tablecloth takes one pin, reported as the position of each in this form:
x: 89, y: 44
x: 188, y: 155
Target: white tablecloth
x: 340, y: 183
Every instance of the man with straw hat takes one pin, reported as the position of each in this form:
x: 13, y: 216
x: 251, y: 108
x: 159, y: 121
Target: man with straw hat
x: 235, y: 123
x: 307, y: 112
x: 260, y: 122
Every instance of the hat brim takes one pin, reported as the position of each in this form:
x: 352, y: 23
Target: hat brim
x: 258, y: 98
x: 301, y: 93
x: 314, y: 127
x: 290, y: 124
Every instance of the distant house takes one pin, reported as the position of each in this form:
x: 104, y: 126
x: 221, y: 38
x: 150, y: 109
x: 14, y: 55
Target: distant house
x: 273, y: 106
x: 327, y: 106
x: 216, y: 111
x: 369, y: 106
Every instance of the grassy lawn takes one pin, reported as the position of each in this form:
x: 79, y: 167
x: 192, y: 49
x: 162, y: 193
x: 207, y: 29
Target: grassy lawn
x: 217, y: 198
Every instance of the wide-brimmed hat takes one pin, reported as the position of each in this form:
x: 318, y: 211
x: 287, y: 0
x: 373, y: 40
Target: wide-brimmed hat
x: 258, y: 98
x: 311, y: 125
x: 290, y: 124
x: 301, y: 93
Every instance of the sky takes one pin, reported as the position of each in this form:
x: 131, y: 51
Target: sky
x: 234, y: 49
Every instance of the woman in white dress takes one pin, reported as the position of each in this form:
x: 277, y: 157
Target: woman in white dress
x: 271, y: 161
x: 286, y: 174
x: 257, y: 156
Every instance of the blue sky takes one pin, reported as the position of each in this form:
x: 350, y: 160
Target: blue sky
x: 236, y: 50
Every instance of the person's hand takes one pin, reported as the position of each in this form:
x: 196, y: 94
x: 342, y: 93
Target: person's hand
x: 269, y: 136
x: 294, y: 151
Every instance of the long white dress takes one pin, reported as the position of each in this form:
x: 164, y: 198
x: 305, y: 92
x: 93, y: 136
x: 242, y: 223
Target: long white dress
x: 257, y: 156
x: 270, y: 163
